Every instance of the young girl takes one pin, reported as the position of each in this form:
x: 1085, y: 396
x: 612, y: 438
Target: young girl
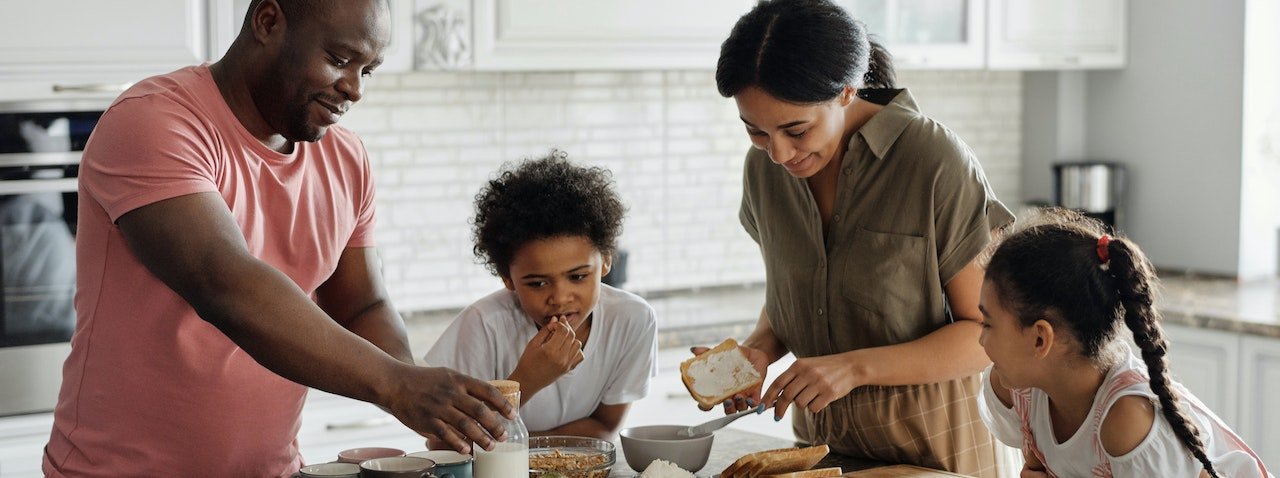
x: 582, y: 351
x: 1065, y: 388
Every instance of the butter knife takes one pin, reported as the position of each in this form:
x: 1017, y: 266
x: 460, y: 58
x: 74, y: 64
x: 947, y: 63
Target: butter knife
x: 718, y: 423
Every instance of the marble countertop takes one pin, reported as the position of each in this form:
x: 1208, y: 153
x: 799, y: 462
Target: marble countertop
x: 1250, y: 307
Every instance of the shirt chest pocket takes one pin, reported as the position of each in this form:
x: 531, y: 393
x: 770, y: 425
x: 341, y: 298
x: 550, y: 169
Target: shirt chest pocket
x: 885, y: 273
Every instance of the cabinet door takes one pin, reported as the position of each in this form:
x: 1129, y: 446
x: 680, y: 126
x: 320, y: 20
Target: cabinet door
x: 602, y: 35
x: 1261, y: 386
x: 1057, y: 34
x: 926, y: 34
x: 71, y: 40
x: 1207, y: 362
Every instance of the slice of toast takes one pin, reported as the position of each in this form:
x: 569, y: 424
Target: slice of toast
x: 739, y: 466
x: 771, y: 462
x: 784, y: 462
x: 818, y: 473
x: 719, y: 374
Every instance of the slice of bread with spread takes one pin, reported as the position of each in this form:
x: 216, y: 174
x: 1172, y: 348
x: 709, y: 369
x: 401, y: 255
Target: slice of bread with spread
x: 719, y: 374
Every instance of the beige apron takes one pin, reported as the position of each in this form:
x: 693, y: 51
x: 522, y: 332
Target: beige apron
x: 934, y: 426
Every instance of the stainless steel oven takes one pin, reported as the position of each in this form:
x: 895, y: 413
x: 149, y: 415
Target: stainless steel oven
x: 40, y: 147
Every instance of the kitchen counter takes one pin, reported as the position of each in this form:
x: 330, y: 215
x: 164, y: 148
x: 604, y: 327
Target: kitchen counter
x: 731, y: 444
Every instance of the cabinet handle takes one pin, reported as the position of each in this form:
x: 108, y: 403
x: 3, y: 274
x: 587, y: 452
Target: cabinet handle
x: 93, y: 88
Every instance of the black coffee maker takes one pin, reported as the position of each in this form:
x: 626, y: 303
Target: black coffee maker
x: 1094, y: 188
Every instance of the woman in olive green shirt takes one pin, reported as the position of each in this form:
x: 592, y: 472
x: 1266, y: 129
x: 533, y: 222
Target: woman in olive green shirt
x: 870, y: 217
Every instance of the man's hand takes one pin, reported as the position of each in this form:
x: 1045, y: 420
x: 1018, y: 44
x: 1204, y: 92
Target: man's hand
x: 457, y: 410
x: 749, y: 398
x: 553, y: 352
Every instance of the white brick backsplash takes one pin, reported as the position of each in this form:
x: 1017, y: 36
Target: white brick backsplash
x: 674, y: 145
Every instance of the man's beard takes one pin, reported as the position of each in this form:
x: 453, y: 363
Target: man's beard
x: 298, y: 127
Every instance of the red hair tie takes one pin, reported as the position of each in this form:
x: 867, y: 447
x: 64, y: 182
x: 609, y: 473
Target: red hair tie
x: 1104, y: 250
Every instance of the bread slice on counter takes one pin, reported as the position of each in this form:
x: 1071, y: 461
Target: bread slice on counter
x: 740, y: 466
x: 719, y: 374
x: 776, y: 462
x: 834, y: 472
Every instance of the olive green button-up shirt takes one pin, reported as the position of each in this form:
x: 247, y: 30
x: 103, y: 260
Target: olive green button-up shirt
x: 913, y: 208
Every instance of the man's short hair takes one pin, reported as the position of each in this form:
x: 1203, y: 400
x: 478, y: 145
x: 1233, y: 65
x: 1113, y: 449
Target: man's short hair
x: 295, y: 11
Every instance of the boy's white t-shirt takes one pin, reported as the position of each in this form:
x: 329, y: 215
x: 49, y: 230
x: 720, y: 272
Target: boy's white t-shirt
x: 620, y: 357
x: 1161, y: 453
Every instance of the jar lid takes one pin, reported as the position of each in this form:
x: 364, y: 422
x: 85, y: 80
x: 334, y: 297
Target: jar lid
x: 510, y: 389
x: 506, y: 387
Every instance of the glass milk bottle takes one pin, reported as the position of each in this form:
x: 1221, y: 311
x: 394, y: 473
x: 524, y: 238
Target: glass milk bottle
x: 509, y: 459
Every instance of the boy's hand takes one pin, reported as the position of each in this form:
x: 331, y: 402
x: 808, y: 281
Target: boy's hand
x: 553, y: 352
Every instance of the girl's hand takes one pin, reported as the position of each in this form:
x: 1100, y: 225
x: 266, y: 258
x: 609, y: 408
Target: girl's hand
x: 812, y: 383
x: 749, y: 398
x: 1032, y: 463
x: 1033, y: 468
x: 1029, y: 473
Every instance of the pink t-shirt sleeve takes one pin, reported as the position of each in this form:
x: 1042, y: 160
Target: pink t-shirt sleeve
x: 362, y: 236
x: 147, y: 150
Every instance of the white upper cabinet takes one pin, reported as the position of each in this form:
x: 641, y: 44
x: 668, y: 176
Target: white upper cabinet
x: 926, y: 34
x: 602, y: 35
x: 77, y: 44
x: 1057, y: 34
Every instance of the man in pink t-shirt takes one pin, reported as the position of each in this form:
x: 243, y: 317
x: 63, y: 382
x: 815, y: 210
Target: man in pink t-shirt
x: 225, y: 263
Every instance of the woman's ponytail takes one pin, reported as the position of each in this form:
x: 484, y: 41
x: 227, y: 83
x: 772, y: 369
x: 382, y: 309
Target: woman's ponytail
x: 880, y: 72
x: 1135, y: 278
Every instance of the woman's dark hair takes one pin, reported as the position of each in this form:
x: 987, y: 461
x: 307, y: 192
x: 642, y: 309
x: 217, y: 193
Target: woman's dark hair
x: 1054, y: 271
x: 545, y: 198
x: 801, y: 51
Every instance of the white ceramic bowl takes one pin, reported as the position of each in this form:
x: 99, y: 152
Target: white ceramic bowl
x: 642, y: 445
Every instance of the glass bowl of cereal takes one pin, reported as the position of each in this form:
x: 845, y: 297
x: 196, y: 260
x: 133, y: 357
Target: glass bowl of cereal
x: 572, y: 457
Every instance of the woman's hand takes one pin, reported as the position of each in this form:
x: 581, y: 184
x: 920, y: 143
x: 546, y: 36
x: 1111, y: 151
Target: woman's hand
x: 749, y: 398
x: 813, y: 383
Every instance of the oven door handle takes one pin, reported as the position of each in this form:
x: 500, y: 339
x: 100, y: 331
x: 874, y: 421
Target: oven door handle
x: 26, y: 160
x: 92, y: 88
x: 28, y: 186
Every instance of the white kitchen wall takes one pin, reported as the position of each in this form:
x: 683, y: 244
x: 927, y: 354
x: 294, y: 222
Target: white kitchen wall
x: 1174, y: 116
x: 674, y: 145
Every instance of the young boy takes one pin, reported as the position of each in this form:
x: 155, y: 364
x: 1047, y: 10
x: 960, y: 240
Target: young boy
x: 582, y: 351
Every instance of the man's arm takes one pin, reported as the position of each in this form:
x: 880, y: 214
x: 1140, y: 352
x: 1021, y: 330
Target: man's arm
x: 602, y: 424
x: 356, y: 298
x: 194, y: 246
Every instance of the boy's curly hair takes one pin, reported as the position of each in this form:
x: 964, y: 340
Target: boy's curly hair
x: 544, y: 198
